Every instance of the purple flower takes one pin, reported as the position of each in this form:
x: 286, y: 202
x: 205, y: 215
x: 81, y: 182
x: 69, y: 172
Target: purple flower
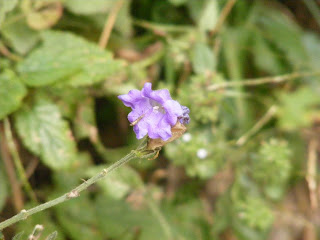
x: 153, y: 112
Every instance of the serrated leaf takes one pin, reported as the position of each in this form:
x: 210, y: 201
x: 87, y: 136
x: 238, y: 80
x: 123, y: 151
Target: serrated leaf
x: 19, y: 36
x: 89, y: 7
x: 119, y: 183
x: 5, y: 7
x: 67, y: 59
x: 12, y: 91
x: 52, y: 236
x: 45, y: 133
x: 203, y: 59
x: 18, y: 236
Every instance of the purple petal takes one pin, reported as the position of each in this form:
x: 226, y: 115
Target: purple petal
x: 131, y: 98
x: 146, y: 90
x: 141, y: 129
x: 173, y: 111
x: 161, y: 129
x: 141, y: 108
x: 160, y: 96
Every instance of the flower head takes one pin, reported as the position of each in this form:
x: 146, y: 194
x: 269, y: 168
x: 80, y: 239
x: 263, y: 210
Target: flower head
x: 154, y: 112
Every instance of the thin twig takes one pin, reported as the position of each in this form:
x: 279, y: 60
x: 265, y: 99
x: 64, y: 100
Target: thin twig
x: 312, y: 172
x: 16, y: 190
x: 223, y: 16
x: 244, y: 138
x: 103, y: 41
x: 263, y: 80
x: 140, y: 152
x: 17, y: 161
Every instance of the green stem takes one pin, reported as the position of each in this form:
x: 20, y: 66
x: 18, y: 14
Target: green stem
x: 263, y: 80
x: 17, y: 161
x: 138, y: 153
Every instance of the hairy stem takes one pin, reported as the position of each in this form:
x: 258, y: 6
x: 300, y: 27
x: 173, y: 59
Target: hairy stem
x: 74, y: 193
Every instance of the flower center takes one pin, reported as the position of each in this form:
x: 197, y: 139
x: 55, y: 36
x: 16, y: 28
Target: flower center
x: 156, y: 107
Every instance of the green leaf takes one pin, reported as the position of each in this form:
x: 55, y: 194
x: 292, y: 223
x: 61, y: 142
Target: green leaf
x: 5, y: 7
x: 209, y: 15
x: 297, y: 108
x: 67, y: 59
x: 18, y: 236
x: 79, y: 219
x: 12, y: 91
x: 265, y: 58
x: 311, y: 42
x: 45, y: 133
x: 113, y: 223
x: 89, y: 7
x: 119, y: 183
x: 19, y: 36
x: 203, y: 59
x: 1, y: 236
x: 279, y: 28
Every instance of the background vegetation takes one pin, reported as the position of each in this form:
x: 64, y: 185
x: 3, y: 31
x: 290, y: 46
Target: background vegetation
x: 248, y: 70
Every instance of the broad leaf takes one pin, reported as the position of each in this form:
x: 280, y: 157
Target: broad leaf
x: 45, y: 133
x: 209, y: 15
x: 298, y: 108
x: 5, y: 7
x: 19, y: 36
x: 67, y: 59
x: 12, y: 92
x: 203, y: 59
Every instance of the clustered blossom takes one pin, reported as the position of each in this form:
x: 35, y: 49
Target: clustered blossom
x: 154, y: 112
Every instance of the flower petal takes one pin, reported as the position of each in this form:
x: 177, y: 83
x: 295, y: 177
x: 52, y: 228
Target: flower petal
x: 160, y: 96
x: 173, y: 111
x: 131, y: 98
x: 146, y: 90
x: 162, y: 129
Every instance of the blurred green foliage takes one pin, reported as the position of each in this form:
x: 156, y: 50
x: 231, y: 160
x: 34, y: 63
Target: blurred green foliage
x: 229, y: 177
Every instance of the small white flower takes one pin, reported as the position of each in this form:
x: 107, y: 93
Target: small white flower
x: 186, y: 137
x: 202, y: 153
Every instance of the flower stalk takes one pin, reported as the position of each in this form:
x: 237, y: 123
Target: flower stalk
x: 140, y: 152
